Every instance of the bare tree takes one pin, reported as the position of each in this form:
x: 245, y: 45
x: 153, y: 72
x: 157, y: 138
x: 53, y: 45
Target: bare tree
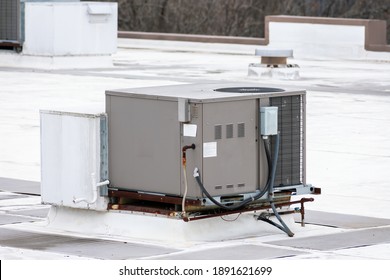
x: 235, y: 17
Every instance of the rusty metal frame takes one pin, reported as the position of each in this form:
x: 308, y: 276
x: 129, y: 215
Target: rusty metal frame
x: 250, y: 209
x: 153, y: 197
x: 166, y: 206
x: 141, y: 209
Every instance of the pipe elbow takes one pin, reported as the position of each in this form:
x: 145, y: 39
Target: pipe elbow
x: 185, y: 148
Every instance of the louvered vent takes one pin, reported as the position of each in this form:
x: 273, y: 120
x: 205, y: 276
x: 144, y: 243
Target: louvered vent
x: 290, y: 126
x: 229, y: 131
x: 194, y: 112
x: 218, y: 132
x: 241, y: 130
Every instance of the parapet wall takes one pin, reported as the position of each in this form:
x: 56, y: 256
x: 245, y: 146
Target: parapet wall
x: 307, y: 36
x: 334, y: 37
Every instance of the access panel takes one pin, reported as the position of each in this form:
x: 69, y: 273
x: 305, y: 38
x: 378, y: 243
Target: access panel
x: 230, y: 147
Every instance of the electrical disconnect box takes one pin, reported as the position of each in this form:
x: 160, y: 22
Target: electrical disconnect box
x: 269, y: 121
x: 148, y: 128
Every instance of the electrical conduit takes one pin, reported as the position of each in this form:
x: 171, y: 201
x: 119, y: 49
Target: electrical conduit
x: 184, y: 163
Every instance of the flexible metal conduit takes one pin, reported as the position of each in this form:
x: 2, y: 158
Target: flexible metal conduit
x: 283, y: 225
x: 268, y: 188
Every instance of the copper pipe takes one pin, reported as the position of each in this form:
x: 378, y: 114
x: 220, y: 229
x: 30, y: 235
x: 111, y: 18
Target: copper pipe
x: 184, y: 149
x: 303, y: 200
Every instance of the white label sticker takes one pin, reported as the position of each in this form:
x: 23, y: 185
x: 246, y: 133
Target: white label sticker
x: 189, y: 130
x: 209, y: 149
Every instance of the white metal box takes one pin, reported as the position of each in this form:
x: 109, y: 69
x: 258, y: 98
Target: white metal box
x: 73, y: 159
x: 70, y: 28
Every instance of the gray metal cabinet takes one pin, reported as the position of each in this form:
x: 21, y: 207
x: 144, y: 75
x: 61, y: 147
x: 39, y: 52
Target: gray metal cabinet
x: 10, y: 31
x: 146, y: 138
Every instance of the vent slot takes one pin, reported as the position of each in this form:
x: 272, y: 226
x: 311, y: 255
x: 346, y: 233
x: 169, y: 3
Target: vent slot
x: 241, y: 185
x: 218, y: 132
x: 218, y: 187
x: 241, y: 130
x: 194, y: 112
x: 229, y: 131
x: 290, y: 124
x: 229, y: 186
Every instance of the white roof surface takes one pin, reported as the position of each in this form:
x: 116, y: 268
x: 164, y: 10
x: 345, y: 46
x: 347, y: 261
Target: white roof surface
x: 348, y: 151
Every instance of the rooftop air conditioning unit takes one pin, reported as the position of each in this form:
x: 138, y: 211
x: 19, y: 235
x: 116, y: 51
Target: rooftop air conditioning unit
x: 226, y: 134
x: 148, y: 127
x: 186, y: 152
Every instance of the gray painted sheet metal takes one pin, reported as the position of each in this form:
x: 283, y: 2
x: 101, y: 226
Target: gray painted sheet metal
x: 341, y: 220
x: 20, y: 186
x: 358, y: 238
x: 241, y: 252
x: 93, y: 248
x: 194, y: 93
